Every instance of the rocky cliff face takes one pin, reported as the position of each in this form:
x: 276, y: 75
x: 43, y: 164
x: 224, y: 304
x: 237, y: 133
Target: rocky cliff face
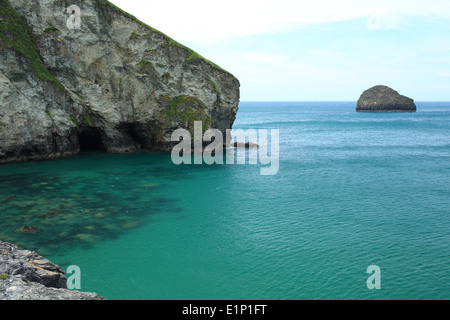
x: 114, y: 84
x: 384, y: 99
x: 24, y: 275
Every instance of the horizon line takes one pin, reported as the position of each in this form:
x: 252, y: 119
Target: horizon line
x: 416, y: 101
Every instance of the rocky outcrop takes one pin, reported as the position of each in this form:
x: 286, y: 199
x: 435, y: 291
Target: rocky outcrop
x: 113, y: 84
x: 384, y: 99
x: 24, y: 275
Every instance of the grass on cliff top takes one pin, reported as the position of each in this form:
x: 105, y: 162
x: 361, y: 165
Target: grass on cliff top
x: 14, y: 32
x: 192, y: 54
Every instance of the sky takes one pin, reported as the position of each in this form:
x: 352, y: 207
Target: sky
x: 314, y: 50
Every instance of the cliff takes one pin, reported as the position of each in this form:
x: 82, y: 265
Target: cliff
x: 384, y: 99
x: 24, y: 275
x: 115, y: 84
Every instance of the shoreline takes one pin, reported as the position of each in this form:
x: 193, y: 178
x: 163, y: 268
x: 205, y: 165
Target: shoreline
x: 25, y: 275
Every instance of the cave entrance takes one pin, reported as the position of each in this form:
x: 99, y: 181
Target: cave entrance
x: 91, y: 140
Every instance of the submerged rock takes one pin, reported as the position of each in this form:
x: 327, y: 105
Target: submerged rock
x: 384, y: 99
x: 25, y: 275
x: 115, y: 84
x: 29, y: 229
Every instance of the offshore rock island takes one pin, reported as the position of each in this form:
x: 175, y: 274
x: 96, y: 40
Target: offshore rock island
x: 384, y: 99
x: 114, y: 84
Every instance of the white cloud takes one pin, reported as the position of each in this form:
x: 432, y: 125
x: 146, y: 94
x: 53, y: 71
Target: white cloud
x: 264, y: 57
x: 378, y: 20
x: 206, y: 21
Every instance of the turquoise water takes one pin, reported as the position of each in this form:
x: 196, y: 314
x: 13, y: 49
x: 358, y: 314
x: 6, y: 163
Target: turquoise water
x: 353, y: 190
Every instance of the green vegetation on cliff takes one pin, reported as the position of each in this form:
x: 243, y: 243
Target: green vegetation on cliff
x: 15, y: 33
x: 185, y: 110
x: 4, y: 276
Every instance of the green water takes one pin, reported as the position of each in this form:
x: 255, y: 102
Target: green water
x: 353, y: 190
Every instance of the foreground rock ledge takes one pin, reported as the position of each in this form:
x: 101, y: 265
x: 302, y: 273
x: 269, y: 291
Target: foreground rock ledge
x: 25, y: 275
x: 384, y: 99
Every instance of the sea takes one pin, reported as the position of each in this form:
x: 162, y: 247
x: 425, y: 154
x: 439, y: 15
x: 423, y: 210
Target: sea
x: 359, y: 208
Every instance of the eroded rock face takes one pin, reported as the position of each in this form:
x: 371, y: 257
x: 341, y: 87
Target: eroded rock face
x: 115, y: 84
x: 384, y: 99
x: 25, y: 275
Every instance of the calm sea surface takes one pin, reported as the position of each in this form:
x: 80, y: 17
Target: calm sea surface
x: 353, y: 190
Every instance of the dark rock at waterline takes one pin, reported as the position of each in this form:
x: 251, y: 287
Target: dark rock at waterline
x: 246, y: 145
x: 384, y: 99
x: 25, y: 275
